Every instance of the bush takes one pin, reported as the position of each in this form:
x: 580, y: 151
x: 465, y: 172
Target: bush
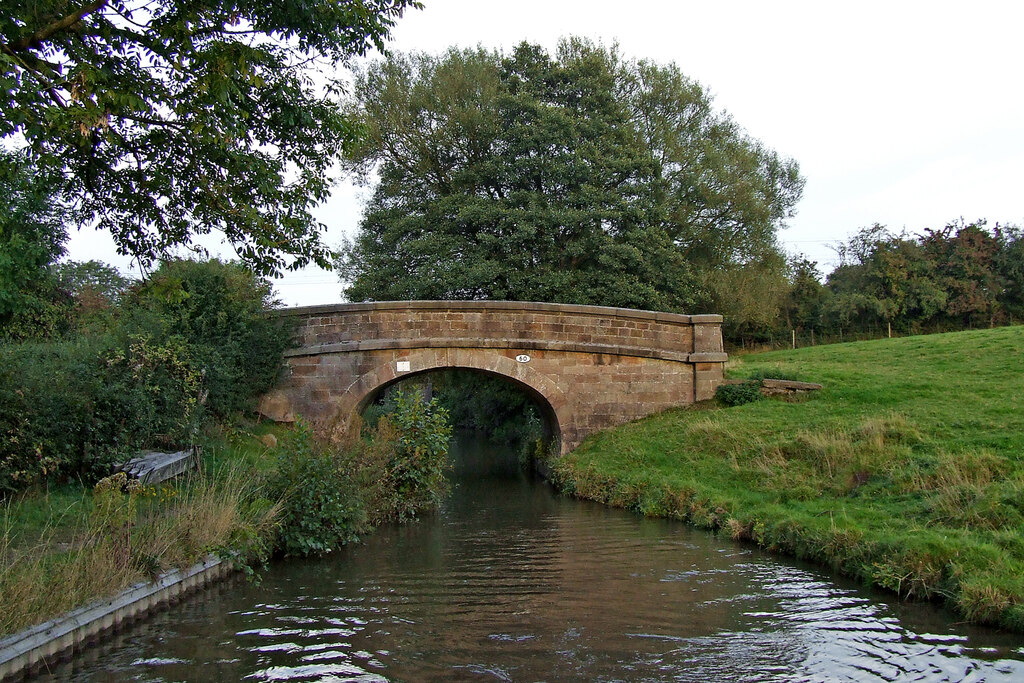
x: 738, y: 394
x: 193, y: 332
x: 219, y: 310
x: 402, y: 468
x: 321, y: 506
x: 72, y: 408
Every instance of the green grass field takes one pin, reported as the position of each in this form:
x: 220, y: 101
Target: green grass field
x: 906, y: 471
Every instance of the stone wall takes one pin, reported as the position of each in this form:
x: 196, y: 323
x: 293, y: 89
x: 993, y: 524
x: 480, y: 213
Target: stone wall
x: 589, y: 367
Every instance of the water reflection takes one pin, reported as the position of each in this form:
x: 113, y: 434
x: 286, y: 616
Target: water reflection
x: 511, y: 583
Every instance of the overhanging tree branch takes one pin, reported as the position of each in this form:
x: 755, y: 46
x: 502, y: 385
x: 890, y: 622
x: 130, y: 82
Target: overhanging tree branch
x: 237, y: 100
x: 37, y: 39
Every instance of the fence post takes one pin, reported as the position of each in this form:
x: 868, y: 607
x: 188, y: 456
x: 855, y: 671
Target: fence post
x: 793, y: 332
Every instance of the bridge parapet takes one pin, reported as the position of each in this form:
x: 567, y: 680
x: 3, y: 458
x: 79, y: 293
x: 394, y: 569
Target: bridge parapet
x: 592, y: 367
x: 412, y: 324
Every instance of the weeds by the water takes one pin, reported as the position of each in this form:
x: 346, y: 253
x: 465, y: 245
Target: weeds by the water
x: 253, y: 497
x: 123, y: 534
x: 906, y: 471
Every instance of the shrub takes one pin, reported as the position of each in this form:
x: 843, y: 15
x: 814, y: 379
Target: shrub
x: 219, y: 310
x: 321, y: 506
x: 403, y: 466
x: 70, y: 408
x: 74, y: 407
x: 738, y: 394
x: 417, y: 470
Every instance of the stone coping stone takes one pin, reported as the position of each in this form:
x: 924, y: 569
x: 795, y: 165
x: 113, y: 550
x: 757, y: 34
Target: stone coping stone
x: 486, y: 305
x: 524, y: 344
x: 23, y: 653
x: 154, y: 467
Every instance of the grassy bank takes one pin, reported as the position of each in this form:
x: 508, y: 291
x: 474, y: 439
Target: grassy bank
x: 906, y: 471
x: 261, y: 490
x: 65, y: 547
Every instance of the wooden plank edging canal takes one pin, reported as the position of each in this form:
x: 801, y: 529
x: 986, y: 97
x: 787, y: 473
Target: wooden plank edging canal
x: 25, y: 653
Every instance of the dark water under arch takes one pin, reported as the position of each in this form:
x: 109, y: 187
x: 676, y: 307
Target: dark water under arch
x: 510, y: 582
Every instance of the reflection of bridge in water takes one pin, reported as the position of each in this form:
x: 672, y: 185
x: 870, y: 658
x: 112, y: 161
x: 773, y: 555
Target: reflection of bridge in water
x: 588, y: 367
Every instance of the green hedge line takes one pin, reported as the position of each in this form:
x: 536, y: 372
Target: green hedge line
x: 192, y: 341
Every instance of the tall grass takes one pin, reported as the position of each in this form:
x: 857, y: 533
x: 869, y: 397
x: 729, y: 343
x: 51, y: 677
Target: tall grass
x: 127, y: 533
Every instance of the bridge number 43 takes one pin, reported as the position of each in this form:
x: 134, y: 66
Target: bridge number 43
x: 523, y: 358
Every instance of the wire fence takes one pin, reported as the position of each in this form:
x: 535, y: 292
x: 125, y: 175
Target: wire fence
x: 797, y: 339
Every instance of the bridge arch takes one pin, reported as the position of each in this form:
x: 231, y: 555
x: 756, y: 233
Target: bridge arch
x: 592, y: 367
x: 544, y: 392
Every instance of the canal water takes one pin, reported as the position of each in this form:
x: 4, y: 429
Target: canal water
x: 510, y: 582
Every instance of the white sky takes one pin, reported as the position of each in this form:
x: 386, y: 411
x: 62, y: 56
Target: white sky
x: 909, y: 114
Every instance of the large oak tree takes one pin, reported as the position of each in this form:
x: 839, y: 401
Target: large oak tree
x: 167, y: 119
x: 575, y: 177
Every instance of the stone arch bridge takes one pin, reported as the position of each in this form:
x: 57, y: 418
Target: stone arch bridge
x: 588, y: 367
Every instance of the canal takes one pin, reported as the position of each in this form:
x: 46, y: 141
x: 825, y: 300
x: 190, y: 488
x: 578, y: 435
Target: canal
x: 510, y: 582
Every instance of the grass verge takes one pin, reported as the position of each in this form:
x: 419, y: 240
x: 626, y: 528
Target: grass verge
x: 906, y: 471
x: 62, y: 549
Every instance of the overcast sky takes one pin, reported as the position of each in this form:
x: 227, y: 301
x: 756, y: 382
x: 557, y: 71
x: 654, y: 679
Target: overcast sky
x: 909, y: 114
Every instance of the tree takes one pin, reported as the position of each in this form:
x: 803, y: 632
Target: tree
x: 93, y: 284
x: 168, y: 119
x: 219, y: 311
x: 1010, y: 265
x: 965, y: 258
x: 32, y: 238
x: 727, y: 194
x: 578, y: 177
x: 884, y: 278
x: 807, y: 297
x: 750, y: 296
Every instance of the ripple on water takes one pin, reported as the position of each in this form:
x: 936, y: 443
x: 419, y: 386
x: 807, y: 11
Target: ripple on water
x: 511, y: 583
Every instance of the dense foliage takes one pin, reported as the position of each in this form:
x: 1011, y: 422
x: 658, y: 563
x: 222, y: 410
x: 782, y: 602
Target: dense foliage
x: 738, y: 394
x: 219, y: 310
x: 332, y: 493
x: 32, y: 237
x: 410, y: 445
x: 579, y: 177
x: 161, y: 120
x: 191, y: 342
x: 74, y: 407
x: 321, y: 505
x: 963, y: 275
x: 489, y: 404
